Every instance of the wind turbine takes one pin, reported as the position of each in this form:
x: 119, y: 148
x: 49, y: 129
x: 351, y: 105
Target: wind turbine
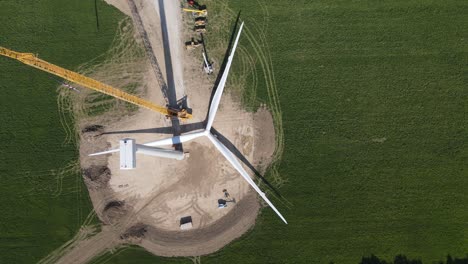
x: 207, y: 133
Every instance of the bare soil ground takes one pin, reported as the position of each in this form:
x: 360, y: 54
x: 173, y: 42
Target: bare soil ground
x: 144, y: 206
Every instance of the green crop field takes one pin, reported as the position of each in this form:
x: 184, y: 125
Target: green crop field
x: 374, y: 102
x: 374, y: 99
x: 43, y: 199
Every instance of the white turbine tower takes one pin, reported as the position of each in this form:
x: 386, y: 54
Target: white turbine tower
x: 207, y: 133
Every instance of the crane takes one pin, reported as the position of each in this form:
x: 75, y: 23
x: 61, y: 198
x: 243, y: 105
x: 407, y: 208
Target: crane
x: 32, y: 60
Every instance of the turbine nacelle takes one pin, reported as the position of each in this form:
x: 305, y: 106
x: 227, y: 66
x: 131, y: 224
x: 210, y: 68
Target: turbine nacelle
x: 128, y: 150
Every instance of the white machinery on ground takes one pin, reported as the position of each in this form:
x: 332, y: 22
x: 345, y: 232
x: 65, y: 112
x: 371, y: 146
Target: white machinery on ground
x: 207, y: 66
x: 207, y: 133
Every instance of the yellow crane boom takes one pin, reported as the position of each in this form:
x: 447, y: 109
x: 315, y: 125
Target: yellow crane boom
x: 202, y: 12
x: 31, y: 60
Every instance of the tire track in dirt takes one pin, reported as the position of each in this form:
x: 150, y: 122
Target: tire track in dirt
x: 63, y: 103
x: 207, y: 239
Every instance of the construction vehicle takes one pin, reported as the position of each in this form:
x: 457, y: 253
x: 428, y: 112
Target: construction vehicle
x: 193, y: 3
x: 200, y: 21
x: 192, y: 44
x: 197, y: 12
x: 207, y: 65
x: 32, y: 60
x: 223, y: 203
x: 200, y: 29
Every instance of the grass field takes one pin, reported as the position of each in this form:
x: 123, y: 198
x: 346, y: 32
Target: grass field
x: 373, y: 98
x: 43, y: 198
x: 374, y: 102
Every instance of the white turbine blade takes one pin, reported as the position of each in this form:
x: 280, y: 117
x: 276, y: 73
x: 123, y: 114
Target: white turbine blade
x: 159, y: 152
x: 235, y: 163
x: 219, y: 90
x: 105, y: 152
x: 175, y: 140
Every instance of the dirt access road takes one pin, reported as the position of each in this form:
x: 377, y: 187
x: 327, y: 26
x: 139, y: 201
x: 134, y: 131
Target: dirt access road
x: 144, y: 206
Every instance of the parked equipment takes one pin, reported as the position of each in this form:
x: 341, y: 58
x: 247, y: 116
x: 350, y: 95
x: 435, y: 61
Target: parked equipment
x: 197, y: 12
x: 193, y: 3
x: 207, y: 64
x: 200, y: 29
x: 200, y: 21
x: 192, y: 44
